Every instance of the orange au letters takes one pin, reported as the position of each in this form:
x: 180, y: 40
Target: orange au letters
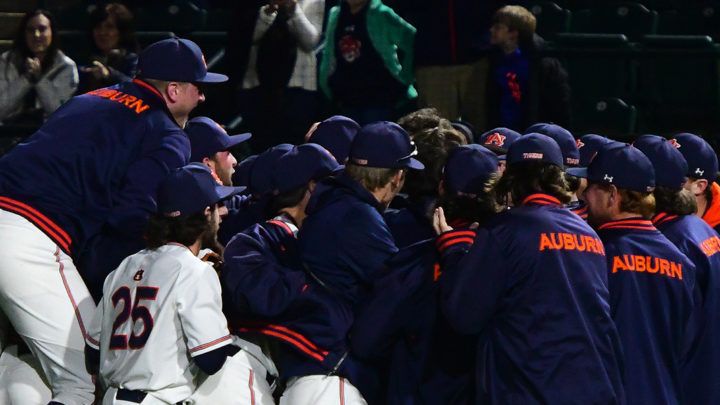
x: 136, y: 104
x: 710, y: 246
x: 649, y: 264
x: 571, y: 241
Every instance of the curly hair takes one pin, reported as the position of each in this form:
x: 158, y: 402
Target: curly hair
x: 161, y: 229
x: 634, y: 202
x: 674, y: 202
x: 523, y: 179
x: 434, y: 145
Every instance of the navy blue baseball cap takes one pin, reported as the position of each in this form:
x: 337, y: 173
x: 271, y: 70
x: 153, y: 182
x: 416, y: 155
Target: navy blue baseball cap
x: 464, y: 128
x: 175, y: 60
x: 669, y: 164
x: 620, y: 164
x: 700, y: 156
x: 563, y: 137
x: 241, y: 177
x: 384, y: 144
x: 189, y: 189
x: 468, y: 168
x: 588, y: 145
x: 207, y: 137
x: 301, y: 164
x: 535, y: 148
x: 499, y: 139
x: 263, y: 167
x: 336, y: 135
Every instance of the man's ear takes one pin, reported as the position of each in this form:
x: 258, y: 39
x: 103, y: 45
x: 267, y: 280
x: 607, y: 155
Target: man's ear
x: 172, y: 92
x: 701, y: 184
x: 208, y: 162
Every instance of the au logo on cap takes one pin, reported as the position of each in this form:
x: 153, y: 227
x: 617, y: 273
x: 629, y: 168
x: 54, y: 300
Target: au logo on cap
x: 609, y: 179
x: 579, y: 143
x: 699, y: 172
x: 674, y: 142
x: 495, y: 139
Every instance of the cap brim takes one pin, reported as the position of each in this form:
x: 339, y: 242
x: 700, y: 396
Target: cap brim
x: 239, y: 138
x: 577, y: 171
x: 213, y: 78
x: 415, y: 164
x: 496, y: 149
x: 502, y: 157
x: 225, y: 192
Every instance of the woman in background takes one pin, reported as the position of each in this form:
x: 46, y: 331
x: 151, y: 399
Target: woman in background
x: 35, y: 76
x: 113, y: 48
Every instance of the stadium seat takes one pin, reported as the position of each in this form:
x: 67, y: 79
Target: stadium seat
x: 551, y: 18
x: 598, y: 65
x: 678, y: 83
x: 629, y: 18
x: 611, y: 117
x: 699, y: 19
x: 218, y: 19
x: 177, y: 16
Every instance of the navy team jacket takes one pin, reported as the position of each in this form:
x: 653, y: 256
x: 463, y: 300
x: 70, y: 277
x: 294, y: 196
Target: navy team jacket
x: 534, y: 286
x: 701, y: 244
x: 267, y: 292
x: 88, y: 177
x: 410, y: 223
x: 651, y: 296
x: 344, y: 240
x: 399, y: 326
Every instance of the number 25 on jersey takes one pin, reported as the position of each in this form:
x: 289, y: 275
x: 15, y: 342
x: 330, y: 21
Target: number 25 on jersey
x: 137, y: 311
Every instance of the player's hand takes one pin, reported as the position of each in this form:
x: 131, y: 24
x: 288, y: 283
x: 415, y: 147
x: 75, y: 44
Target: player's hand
x: 439, y: 223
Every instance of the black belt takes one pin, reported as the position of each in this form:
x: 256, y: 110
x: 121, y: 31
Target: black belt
x: 133, y: 396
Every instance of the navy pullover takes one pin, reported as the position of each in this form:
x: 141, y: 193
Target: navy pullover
x: 534, y: 286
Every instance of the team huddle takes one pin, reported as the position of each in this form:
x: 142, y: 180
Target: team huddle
x: 392, y: 263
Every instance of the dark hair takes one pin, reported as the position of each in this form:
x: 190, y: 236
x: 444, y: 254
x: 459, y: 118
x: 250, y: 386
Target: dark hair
x: 161, y: 229
x: 286, y: 199
x: 469, y: 208
x: 123, y: 21
x: 420, y: 120
x: 523, y: 179
x: 20, y: 46
x: 674, y: 202
x: 434, y: 145
x: 573, y: 182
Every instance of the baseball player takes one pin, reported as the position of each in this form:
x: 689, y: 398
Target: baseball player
x: 210, y: 144
x: 674, y: 217
x: 399, y: 324
x: 269, y: 295
x: 74, y: 199
x: 334, y: 134
x: 702, y: 176
x: 650, y: 281
x: 161, y: 309
x: 499, y: 140
x: 536, y: 296
x: 344, y: 241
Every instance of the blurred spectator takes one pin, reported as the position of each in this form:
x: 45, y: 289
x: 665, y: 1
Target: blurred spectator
x: 35, y: 76
x: 368, y: 83
x: 113, y: 48
x: 523, y: 87
x: 278, y: 97
x: 452, y: 45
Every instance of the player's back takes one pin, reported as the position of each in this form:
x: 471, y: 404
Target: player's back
x: 152, y: 322
x: 651, y: 297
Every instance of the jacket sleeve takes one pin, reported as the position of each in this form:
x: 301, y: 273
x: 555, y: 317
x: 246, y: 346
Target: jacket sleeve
x: 57, y: 85
x: 255, y: 280
x: 13, y: 87
x: 327, y: 60
x: 471, y: 284
x: 306, y: 31
x: 367, y: 243
x: 405, y: 40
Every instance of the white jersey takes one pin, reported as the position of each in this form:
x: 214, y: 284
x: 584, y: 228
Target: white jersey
x: 159, y: 309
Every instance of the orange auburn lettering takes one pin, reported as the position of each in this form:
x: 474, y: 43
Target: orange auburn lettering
x: 710, y: 246
x: 569, y: 241
x: 132, y: 102
x: 649, y: 264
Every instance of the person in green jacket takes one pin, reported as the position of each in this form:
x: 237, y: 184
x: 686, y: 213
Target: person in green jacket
x: 366, y: 70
